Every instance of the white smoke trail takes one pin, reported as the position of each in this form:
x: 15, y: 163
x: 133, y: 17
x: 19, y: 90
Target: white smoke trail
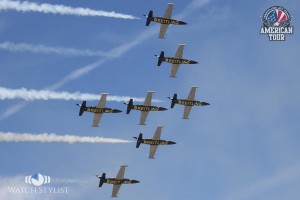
x: 51, y: 137
x: 47, y: 8
x: 25, y: 94
x: 25, y: 47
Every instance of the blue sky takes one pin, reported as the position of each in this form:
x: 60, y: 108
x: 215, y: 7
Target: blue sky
x: 243, y: 146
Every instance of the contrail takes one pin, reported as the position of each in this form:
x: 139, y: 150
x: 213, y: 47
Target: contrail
x: 28, y: 95
x: 47, y: 8
x: 25, y: 47
x: 51, y: 137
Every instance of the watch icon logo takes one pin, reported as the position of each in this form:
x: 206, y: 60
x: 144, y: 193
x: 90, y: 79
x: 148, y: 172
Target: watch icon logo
x: 37, y: 179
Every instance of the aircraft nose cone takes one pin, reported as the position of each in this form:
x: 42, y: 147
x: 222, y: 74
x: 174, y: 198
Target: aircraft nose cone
x: 162, y: 109
x: 182, y: 23
x: 171, y: 142
x: 135, y: 181
x: 205, y: 104
x: 193, y: 62
x: 117, y: 111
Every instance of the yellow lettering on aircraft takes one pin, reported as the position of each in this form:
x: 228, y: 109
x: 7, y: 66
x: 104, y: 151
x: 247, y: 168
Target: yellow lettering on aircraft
x: 143, y: 108
x: 189, y: 103
x: 155, y: 142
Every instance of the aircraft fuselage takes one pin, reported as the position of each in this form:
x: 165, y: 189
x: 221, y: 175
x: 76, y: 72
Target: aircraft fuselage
x: 147, y: 108
x: 162, y: 20
x: 190, y: 103
x: 115, y: 181
x: 178, y: 61
x: 101, y: 110
x: 156, y: 142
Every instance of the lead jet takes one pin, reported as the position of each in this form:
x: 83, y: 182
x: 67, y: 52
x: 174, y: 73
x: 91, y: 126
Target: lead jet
x: 176, y: 61
x: 145, y: 108
x: 188, y: 103
x: 154, y: 142
x: 117, y: 182
x: 164, y: 21
x: 98, y: 110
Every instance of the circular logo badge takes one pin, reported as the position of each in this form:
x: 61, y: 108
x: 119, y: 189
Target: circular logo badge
x: 276, y: 16
x: 37, y: 179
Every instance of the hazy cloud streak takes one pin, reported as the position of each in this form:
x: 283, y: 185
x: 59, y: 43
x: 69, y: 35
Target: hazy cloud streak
x: 51, y: 137
x: 25, y: 47
x: 267, y: 183
x: 47, y: 8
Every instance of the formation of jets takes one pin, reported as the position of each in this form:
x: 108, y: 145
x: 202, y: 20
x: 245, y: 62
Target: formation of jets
x: 145, y: 108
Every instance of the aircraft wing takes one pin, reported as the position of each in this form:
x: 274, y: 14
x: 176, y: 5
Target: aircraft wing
x: 157, y: 133
x: 178, y: 55
x: 152, y: 151
x: 101, y: 104
x: 186, y: 112
x: 179, y: 51
x: 102, y: 101
x: 163, y: 29
x: 192, y: 93
x: 168, y: 12
x: 120, y: 175
x: 148, y: 98
x: 167, y: 15
x: 121, y: 172
x: 174, y: 70
x: 115, y: 190
x: 147, y: 102
x: 143, y: 117
x: 97, y: 117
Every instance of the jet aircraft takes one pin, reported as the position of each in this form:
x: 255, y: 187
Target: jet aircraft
x: 188, y: 103
x: 176, y: 61
x: 154, y: 142
x: 145, y: 108
x: 98, y: 110
x: 164, y: 21
x: 117, y: 182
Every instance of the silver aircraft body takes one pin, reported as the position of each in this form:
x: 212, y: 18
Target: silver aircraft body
x: 145, y: 108
x: 154, y: 142
x: 97, y: 110
x: 188, y: 103
x: 175, y: 61
x: 165, y: 21
x: 116, y: 182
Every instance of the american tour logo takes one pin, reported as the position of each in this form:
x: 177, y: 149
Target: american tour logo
x: 276, y: 23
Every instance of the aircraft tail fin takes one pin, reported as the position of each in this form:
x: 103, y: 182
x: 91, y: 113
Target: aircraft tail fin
x: 149, y: 17
x: 160, y: 58
x: 174, y: 99
x: 82, y: 107
x: 102, y: 178
x: 129, y: 106
x: 139, y: 140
